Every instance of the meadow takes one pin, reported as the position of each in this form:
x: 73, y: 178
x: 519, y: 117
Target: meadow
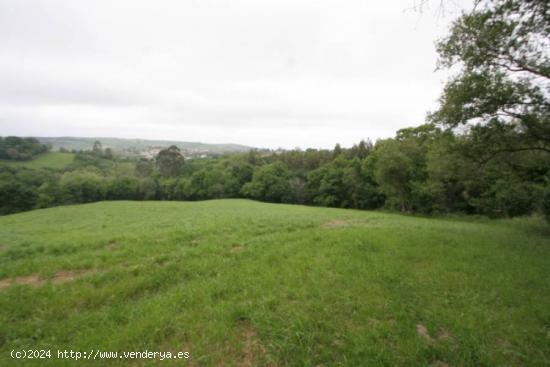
x: 243, y: 283
x: 55, y: 160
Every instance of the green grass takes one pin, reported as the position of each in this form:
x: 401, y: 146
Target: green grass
x: 56, y: 160
x: 238, y: 283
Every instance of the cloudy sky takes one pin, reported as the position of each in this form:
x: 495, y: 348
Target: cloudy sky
x: 280, y: 73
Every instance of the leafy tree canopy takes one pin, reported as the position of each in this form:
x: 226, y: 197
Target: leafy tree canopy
x: 502, y: 48
x: 170, y: 161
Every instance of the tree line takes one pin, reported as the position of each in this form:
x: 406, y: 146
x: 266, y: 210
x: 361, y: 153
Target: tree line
x: 485, y: 150
x: 15, y: 148
x: 421, y: 170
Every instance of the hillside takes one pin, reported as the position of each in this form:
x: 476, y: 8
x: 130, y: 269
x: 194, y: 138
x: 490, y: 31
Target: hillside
x: 243, y: 283
x: 55, y: 160
x: 137, y: 146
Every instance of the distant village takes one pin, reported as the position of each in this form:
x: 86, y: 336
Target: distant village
x: 151, y: 152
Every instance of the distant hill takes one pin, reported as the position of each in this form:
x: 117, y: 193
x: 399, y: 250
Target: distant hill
x: 141, y: 146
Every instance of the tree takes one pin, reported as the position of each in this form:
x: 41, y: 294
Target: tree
x: 97, y: 148
x: 15, y: 196
x: 108, y: 154
x: 337, y: 150
x: 16, y: 148
x: 449, y: 170
x: 363, y: 149
x: 237, y: 172
x: 82, y: 186
x: 344, y: 183
x: 206, y: 184
x: 397, y: 165
x: 504, y: 82
x: 123, y: 188
x: 170, y: 161
x: 270, y: 183
x: 297, y: 187
x: 144, y: 167
x: 148, y: 189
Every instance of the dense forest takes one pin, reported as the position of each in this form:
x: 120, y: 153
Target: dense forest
x: 486, y: 150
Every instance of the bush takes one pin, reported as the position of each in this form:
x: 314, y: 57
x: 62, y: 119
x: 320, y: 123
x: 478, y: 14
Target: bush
x: 123, y: 188
x: 82, y: 187
x: 427, y: 197
x: 506, y: 198
x: 15, y: 197
x: 269, y: 183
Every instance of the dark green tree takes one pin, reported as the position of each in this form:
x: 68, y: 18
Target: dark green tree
x: 97, y: 148
x: 270, y: 183
x: 337, y: 150
x: 16, y: 148
x: 398, y: 168
x: 170, y: 161
x: 144, y: 167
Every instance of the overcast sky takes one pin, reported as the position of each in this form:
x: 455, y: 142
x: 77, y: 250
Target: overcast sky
x: 281, y: 73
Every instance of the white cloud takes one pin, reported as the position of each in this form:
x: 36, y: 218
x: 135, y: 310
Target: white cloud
x: 263, y: 73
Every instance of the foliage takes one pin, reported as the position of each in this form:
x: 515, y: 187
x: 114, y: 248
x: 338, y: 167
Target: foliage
x: 504, y: 83
x: 170, y: 161
x: 269, y: 183
x: 144, y: 167
x: 20, y: 149
x: 398, y: 163
x: 422, y: 169
x: 83, y: 186
x: 344, y: 183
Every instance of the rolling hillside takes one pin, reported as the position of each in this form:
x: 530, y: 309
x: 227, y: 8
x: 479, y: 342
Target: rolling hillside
x: 242, y: 283
x: 47, y: 160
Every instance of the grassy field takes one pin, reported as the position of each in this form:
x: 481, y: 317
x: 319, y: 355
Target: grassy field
x: 241, y: 283
x: 48, y: 160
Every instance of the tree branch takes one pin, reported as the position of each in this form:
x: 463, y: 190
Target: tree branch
x: 512, y: 150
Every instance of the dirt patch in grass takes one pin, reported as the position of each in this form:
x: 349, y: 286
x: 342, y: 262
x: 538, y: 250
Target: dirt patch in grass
x: 4, y: 283
x: 32, y: 279
x: 342, y: 223
x: 112, y: 244
x: 236, y: 249
x: 249, y: 334
x: 422, y: 331
x: 252, y: 351
x: 443, y: 335
x: 60, y: 277
x: 188, y: 347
